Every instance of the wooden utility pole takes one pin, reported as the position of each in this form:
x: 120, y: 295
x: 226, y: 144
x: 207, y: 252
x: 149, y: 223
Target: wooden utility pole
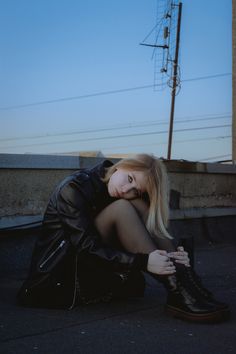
x: 175, y: 73
x: 234, y: 80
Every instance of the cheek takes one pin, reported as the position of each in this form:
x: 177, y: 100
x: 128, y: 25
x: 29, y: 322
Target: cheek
x: 113, y: 183
x: 113, y: 180
x: 119, y: 181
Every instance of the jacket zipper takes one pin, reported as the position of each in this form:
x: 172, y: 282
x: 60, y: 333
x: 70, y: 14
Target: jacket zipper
x: 52, y: 254
x: 76, y: 287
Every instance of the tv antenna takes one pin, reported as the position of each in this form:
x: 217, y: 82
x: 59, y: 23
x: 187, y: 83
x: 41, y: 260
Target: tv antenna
x: 164, y: 38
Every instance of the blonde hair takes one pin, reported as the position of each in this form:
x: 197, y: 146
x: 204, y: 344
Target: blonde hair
x: 157, y: 189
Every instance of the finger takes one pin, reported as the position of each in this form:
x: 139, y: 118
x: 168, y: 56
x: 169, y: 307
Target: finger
x: 180, y: 255
x: 169, y: 267
x: 166, y: 272
x: 170, y: 264
x: 177, y: 253
x: 171, y: 254
x: 180, y: 248
x: 170, y: 270
x: 162, y: 252
x: 185, y: 262
x: 181, y: 259
x: 165, y: 259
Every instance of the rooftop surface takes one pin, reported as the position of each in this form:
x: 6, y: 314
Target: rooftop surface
x: 134, y: 326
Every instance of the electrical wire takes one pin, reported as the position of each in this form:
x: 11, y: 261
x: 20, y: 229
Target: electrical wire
x: 104, y: 93
x: 215, y: 157
x: 158, y: 143
x: 123, y: 136
x: 165, y: 143
x: 127, y: 126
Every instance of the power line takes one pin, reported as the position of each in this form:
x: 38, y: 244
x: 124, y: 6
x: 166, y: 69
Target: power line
x: 165, y: 143
x: 203, y: 139
x: 157, y: 143
x: 127, y: 126
x: 103, y: 93
x: 215, y: 157
x: 125, y: 136
x: 206, y: 77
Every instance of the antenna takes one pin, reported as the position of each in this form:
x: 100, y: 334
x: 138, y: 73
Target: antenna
x: 165, y: 45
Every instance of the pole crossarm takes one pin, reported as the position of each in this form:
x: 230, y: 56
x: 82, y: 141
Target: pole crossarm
x: 155, y: 45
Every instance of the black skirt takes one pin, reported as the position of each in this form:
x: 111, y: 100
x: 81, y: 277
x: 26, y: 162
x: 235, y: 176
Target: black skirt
x: 98, y: 284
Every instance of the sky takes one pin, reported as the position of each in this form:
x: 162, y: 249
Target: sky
x: 74, y: 77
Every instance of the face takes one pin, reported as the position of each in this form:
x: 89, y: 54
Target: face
x: 126, y: 184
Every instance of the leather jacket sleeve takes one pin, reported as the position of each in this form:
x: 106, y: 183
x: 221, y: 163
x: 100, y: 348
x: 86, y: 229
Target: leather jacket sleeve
x: 75, y: 214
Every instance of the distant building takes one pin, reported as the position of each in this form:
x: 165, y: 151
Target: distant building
x: 83, y: 153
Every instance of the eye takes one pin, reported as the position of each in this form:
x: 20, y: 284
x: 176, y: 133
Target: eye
x: 130, y: 179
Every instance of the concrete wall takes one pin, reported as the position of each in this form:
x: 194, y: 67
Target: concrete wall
x: 204, y: 190
x: 26, y: 182
x: 234, y: 79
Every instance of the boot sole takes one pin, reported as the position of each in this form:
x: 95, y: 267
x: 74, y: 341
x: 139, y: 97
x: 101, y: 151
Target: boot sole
x: 211, y: 317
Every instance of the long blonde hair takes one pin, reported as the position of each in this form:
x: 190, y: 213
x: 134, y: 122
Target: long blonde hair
x: 157, y: 189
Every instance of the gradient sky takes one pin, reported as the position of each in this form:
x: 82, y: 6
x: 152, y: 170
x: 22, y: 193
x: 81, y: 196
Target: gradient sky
x: 64, y: 49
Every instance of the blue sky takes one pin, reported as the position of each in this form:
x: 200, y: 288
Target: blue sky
x: 53, y: 50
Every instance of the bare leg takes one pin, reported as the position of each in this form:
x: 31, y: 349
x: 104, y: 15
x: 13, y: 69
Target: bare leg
x: 122, y: 224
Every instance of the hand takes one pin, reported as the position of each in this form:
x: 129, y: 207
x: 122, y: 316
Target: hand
x: 180, y: 256
x: 159, y: 263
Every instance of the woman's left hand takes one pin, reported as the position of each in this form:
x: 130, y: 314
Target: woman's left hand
x: 180, y: 256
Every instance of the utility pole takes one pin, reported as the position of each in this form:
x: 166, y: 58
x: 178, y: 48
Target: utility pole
x: 234, y: 81
x: 175, y: 73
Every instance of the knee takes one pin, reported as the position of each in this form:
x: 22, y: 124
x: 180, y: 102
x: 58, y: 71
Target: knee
x: 134, y: 205
x: 122, y: 204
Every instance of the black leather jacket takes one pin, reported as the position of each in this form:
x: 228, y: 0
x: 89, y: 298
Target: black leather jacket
x: 70, y: 259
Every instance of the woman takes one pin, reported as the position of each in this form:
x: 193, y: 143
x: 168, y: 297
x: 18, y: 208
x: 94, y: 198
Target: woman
x: 102, y: 229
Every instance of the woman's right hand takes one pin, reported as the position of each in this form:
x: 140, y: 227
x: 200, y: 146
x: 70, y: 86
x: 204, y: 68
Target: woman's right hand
x: 160, y: 263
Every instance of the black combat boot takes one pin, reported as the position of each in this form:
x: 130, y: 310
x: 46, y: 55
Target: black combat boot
x: 183, y: 303
x: 195, y: 281
x: 201, y: 292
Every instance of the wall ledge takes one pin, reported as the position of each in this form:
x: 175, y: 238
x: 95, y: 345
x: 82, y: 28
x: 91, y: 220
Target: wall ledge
x: 178, y: 214
x: 197, y: 213
x: 28, y: 161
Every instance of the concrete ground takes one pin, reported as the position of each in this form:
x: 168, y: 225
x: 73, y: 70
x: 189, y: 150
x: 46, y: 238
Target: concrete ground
x: 135, y: 326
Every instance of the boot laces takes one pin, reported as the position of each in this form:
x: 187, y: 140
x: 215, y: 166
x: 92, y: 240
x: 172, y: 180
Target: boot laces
x: 187, y: 294
x: 196, y: 281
